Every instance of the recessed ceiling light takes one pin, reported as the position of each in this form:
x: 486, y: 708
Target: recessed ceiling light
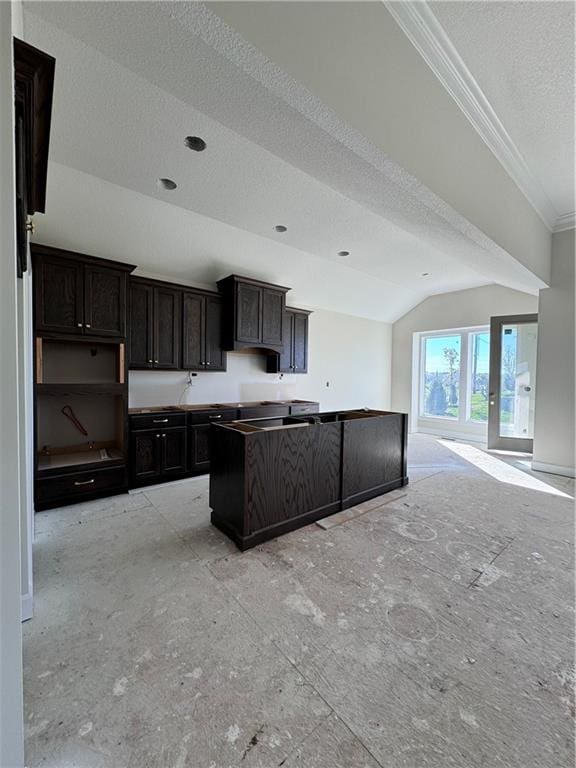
x: 166, y: 184
x: 195, y: 143
x: 280, y: 228
x: 343, y: 253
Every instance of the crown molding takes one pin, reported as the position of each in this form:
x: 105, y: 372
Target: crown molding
x: 425, y: 32
x: 566, y: 221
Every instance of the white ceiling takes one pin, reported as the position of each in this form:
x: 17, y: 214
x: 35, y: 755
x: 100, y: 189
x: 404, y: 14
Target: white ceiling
x: 128, y: 93
x: 521, y: 54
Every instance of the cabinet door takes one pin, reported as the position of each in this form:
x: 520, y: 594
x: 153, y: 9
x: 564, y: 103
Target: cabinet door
x: 272, y: 316
x: 215, y: 357
x: 145, y: 456
x: 300, y: 342
x: 248, y: 313
x: 193, y: 332
x: 199, y: 448
x: 167, y: 329
x: 174, y: 451
x: 59, y: 295
x: 104, y: 301
x: 285, y: 358
x: 141, y: 325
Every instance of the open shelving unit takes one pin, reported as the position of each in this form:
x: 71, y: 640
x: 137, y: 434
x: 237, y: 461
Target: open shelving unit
x: 81, y: 415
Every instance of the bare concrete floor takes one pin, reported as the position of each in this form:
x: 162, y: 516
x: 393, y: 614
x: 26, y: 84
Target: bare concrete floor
x: 435, y: 630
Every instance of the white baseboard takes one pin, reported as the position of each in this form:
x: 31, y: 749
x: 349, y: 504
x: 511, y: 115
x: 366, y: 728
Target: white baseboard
x: 553, y: 469
x: 27, y: 607
x: 448, y: 435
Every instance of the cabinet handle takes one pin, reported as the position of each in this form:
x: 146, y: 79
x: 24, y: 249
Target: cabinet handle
x: 155, y: 361
x: 79, y: 325
x: 83, y: 482
x: 150, y: 361
x: 158, y: 435
x: 164, y: 435
x: 159, y: 421
x: 215, y: 417
x: 207, y: 363
x: 88, y: 325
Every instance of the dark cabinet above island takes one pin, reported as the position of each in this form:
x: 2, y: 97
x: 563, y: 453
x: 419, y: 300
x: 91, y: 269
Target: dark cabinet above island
x: 294, y: 355
x: 253, y: 314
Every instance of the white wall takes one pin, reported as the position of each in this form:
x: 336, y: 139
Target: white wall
x: 554, y: 417
x: 350, y: 354
x: 11, y: 703
x: 461, y: 309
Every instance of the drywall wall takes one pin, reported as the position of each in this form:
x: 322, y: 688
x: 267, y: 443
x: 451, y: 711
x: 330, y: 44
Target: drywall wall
x: 358, y: 62
x: 11, y: 706
x: 554, y: 414
x: 348, y: 367
x: 461, y: 309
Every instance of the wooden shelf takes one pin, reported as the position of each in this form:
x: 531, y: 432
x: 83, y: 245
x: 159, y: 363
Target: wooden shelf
x: 77, y: 460
x: 59, y: 390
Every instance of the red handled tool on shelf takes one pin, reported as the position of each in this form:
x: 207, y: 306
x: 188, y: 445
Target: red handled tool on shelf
x: 69, y: 413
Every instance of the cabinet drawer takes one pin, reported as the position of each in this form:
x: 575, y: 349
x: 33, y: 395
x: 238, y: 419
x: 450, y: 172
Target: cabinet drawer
x: 159, y: 420
x: 264, y: 412
x: 78, y: 484
x: 208, y: 417
x: 298, y: 410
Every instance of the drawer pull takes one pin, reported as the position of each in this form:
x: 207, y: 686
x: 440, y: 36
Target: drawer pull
x: 215, y: 417
x: 84, y: 482
x: 159, y: 421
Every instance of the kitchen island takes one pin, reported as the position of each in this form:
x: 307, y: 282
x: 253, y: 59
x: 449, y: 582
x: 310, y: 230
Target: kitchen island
x: 271, y: 476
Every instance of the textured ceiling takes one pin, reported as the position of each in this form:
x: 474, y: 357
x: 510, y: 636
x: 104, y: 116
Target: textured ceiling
x: 521, y: 54
x: 126, y: 96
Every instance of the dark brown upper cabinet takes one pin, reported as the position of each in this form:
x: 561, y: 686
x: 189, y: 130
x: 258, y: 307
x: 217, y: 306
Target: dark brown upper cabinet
x: 155, y: 314
x: 253, y: 313
x: 33, y: 89
x: 79, y: 294
x: 294, y: 355
x: 202, y: 332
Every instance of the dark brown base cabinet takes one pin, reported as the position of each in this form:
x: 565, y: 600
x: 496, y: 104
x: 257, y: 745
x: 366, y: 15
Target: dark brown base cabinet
x: 158, y: 447
x: 171, y: 444
x: 266, y: 480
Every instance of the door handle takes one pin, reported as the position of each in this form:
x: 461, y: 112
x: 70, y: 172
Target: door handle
x: 159, y: 421
x: 83, y: 482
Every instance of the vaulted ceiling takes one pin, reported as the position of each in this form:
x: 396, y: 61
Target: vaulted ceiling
x: 134, y: 79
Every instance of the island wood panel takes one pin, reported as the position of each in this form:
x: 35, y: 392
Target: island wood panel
x: 373, y: 457
x: 292, y: 473
x: 227, y: 494
x: 266, y: 483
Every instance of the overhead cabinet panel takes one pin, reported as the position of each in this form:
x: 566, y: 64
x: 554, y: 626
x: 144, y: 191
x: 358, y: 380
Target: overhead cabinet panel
x: 141, y: 325
x: 193, y: 332
x: 167, y: 333
x: 294, y: 355
x: 59, y: 295
x: 105, y: 301
x: 201, y: 333
x: 253, y: 313
x: 249, y: 313
x: 79, y: 294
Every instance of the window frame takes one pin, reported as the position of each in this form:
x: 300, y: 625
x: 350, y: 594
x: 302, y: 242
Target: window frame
x: 463, y: 422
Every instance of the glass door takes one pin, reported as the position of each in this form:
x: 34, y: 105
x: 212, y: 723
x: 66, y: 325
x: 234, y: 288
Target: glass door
x: 513, y: 342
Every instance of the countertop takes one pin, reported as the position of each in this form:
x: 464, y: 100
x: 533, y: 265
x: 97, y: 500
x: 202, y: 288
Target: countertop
x: 215, y: 406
